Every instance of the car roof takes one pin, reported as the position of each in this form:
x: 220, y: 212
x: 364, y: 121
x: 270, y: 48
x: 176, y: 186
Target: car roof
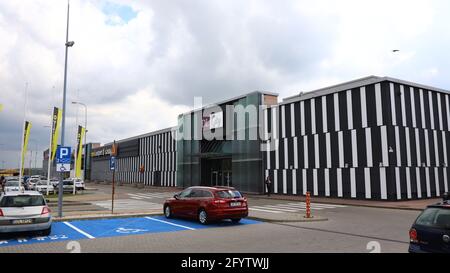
x: 443, y: 204
x: 16, y: 193
x: 216, y: 188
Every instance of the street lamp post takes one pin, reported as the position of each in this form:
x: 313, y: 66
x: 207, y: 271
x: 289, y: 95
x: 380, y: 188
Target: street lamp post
x: 49, y: 158
x: 85, y: 133
x: 63, y: 123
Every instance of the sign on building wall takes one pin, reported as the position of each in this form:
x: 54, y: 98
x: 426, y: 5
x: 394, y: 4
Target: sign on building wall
x: 216, y: 120
x: 213, y: 121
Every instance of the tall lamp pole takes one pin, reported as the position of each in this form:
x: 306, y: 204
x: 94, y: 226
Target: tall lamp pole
x: 49, y: 157
x: 63, y: 123
x: 85, y: 133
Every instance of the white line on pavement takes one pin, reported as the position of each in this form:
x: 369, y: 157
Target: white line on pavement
x: 272, y: 211
x: 169, y: 223
x: 79, y: 230
x: 322, y: 205
x: 289, y: 207
x: 274, y: 208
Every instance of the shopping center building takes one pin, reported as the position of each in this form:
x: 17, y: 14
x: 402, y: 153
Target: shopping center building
x: 373, y: 138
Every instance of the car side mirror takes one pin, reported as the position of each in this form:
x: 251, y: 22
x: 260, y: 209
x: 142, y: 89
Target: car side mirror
x: 47, y: 200
x: 176, y: 196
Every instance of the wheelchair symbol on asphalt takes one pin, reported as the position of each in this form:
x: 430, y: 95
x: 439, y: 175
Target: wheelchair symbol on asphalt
x: 129, y: 230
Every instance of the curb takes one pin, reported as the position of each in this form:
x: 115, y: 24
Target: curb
x: 342, y: 203
x: 103, y: 216
x: 320, y: 219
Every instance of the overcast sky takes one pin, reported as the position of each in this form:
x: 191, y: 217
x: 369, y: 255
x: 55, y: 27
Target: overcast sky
x: 138, y: 64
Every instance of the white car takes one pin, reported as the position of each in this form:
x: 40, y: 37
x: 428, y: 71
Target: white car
x: 79, y: 184
x: 54, y: 182
x: 24, y: 211
x: 41, y: 187
x: 31, y: 183
x: 13, y: 186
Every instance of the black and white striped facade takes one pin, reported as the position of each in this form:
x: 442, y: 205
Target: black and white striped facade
x: 374, y: 138
x: 155, y: 151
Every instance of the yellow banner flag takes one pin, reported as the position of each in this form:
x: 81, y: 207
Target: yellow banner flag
x: 56, y: 121
x: 25, y: 142
x: 80, y: 136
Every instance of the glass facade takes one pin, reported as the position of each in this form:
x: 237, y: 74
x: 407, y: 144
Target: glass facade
x: 233, y: 157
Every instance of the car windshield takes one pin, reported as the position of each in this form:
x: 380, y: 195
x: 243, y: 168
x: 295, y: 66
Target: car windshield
x: 12, y: 184
x: 435, y: 217
x: 67, y: 182
x: 42, y: 183
x: 229, y: 194
x: 22, y: 201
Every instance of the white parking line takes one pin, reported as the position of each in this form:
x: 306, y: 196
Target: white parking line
x: 79, y: 230
x: 321, y: 205
x: 290, y: 207
x: 169, y: 223
x: 274, y: 208
x: 272, y: 211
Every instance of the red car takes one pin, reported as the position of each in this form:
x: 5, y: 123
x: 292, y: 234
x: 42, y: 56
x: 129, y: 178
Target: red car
x: 207, y: 204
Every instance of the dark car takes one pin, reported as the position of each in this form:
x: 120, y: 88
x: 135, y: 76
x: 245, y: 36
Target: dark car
x: 431, y: 230
x: 207, y: 204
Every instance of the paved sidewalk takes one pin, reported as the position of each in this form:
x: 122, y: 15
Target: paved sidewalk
x: 408, y: 205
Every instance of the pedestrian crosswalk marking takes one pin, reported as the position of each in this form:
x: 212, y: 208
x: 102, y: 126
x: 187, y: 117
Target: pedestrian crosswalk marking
x: 128, y: 204
x: 265, y: 210
x: 277, y: 208
x: 293, y: 207
x: 150, y: 195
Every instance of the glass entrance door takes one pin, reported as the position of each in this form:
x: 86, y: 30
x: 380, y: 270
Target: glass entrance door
x: 214, y: 178
x: 227, y: 181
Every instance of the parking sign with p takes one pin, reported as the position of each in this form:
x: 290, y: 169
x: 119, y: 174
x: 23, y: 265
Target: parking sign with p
x: 63, y: 157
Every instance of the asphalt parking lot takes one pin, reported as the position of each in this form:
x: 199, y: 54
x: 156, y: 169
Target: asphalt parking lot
x: 102, y: 228
x: 347, y: 228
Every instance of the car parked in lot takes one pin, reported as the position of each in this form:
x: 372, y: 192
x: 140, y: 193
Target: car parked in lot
x: 79, y: 183
x: 30, y: 184
x: 42, y: 186
x: 431, y: 230
x: 54, y: 182
x: 13, y: 185
x: 24, y: 211
x: 207, y: 204
x: 67, y: 186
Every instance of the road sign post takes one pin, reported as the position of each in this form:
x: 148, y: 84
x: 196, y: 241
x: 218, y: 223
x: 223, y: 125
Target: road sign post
x: 63, y: 160
x: 112, y: 166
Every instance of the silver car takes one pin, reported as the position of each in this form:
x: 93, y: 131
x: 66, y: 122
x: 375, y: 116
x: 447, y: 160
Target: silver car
x: 24, y: 211
x: 13, y: 186
x: 42, y: 187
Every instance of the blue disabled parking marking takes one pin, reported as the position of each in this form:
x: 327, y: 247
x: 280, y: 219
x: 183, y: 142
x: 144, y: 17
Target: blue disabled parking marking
x: 60, y: 232
x: 101, y: 228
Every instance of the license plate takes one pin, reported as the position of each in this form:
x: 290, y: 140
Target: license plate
x: 22, y: 221
x: 235, y: 204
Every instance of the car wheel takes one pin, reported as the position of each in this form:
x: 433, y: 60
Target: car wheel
x: 203, y: 217
x: 46, y: 232
x: 167, y: 212
x: 235, y: 220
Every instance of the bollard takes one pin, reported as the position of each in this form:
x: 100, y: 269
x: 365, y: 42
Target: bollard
x: 308, y: 204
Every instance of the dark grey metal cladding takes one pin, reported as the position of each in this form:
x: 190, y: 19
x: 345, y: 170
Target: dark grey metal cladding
x: 155, y: 152
x: 381, y: 140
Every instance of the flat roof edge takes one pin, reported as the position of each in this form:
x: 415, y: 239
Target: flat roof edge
x: 353, y: 84
x: 228, y: 100
x: 165, y: 130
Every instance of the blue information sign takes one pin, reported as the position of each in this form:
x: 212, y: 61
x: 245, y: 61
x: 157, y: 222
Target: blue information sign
x: 112, y: 163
